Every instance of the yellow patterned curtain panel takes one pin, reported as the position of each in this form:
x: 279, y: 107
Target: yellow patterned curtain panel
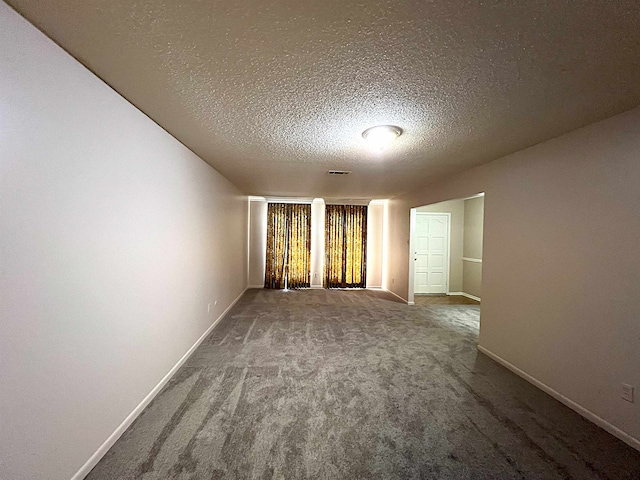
x: 288, y: 245
x: 345, y: 246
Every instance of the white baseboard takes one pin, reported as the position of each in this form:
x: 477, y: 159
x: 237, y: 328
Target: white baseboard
x: 398, y: 296
x: 104, y: 448
x: 588, y: 414
x: 472, y: 297
x: 468, y: 295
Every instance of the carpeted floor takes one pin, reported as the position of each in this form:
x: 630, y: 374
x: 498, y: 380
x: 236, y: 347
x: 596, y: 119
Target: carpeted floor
x: 354, y: 385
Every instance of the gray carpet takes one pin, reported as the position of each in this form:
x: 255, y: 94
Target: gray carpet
x: 354, y: 385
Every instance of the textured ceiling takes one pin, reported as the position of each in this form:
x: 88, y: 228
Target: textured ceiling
x: 275, y: 93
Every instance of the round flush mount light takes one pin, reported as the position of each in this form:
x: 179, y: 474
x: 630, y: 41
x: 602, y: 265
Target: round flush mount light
x: 381, y: 135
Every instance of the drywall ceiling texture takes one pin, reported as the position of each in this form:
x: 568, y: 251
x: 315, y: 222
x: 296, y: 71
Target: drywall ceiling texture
x: 273, y: 94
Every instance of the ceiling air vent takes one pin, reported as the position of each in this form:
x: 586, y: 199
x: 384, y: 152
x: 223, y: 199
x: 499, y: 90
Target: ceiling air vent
x: 339, y: 172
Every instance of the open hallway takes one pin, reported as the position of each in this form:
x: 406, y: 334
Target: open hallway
x: 352, y: 384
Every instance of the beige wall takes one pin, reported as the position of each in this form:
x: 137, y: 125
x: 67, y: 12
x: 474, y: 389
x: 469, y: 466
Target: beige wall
x: 456, y: 209
x: 115, y: 237
x: 560, y: 261
x: 473, y: 218
x: 472, y: 278
x: 398, y: 223
x: 472, y: 271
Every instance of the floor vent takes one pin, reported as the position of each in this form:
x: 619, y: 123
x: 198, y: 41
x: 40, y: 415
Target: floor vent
x: 339, y: 172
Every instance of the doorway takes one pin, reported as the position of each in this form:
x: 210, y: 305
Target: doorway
x: 431, y: 253
x: 445, y: 255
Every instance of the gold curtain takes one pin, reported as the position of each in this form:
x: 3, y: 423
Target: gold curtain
x: 345, y: 246
x: 288, y: 245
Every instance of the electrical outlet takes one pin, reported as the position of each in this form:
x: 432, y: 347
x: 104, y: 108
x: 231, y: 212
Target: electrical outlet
x: 627, y: 392
x: 209, y: 308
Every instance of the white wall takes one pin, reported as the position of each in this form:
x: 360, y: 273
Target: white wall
x: 560, y: 263
x: 113, y: 239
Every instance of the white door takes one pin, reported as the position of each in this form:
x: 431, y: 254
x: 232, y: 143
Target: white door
x: 431, y: 257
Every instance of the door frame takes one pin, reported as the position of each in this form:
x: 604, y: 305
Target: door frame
x: 412, y: 244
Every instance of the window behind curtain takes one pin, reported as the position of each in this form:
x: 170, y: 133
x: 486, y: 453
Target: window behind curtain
x: 288, y: 244
x: 345, y: 246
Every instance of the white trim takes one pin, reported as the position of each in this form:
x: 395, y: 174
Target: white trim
x: 468, y: 295
x: 253, y: 198
x: 446, y: 287
x: 588, y: 414
x: 113, y: 438
x: 289, y: 200
x: 472, y: 297
x: 248, y: 238
x: 378, y: 202
x: 481, y: 194
x: 396, y: 295
x: 412, y: 263
x: 469, y: 259
x: 347, y: 201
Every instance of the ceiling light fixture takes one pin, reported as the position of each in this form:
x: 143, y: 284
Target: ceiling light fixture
x: 381, y: 135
